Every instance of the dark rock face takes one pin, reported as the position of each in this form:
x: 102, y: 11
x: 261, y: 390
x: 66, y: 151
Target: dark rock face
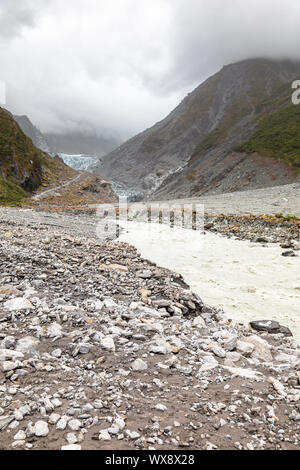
x: 271, y: 327
x: 192, y: 151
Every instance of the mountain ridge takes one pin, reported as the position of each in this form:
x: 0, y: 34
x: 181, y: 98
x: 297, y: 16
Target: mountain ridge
x: 72, y: 143
x: 220, y: 114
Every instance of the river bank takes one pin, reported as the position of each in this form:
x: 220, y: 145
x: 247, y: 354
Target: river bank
x: 102, y: 349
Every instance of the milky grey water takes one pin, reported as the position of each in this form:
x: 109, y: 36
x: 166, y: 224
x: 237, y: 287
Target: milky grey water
x: 249, y: 281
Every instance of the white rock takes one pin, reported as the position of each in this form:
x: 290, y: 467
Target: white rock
x: 56, y: 353
x: 18, y: 444
x: 114, y: 430
x: 139, y: 365
x: 71, y: 438
x: 244, y: 373
x: 28, y: 345
x: 98, y: 305
x: 56, y: 403
x: 41, y: 429
x: 120, y: 423
x: 277, y: 386
x: 62, y: 423
x: 160, y: 407
x: 132, y: 435
x: 209, y: 363
x: 104, y: 435
x: 108, y: 343
x: 74, y: 424
x: 7, y: 366
x: 109, y: 303
x: 230, y: 343
x: 54, y: 418
x: 71, y: 447
x: 245, y: 348
x: 20, y: 436
x: 233, y: 357
x: 219, y: 352
x: 262, y: 349
x: 158, y: 383
x: 161, y: 346
x: 98, y: 405
x: 199, y: 323
x: 54, y: 330
x: 5, y: 421
x: 17, y: 304
x: 287, y: 358
x: 6, y: 354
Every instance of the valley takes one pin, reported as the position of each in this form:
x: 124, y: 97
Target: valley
x: 136, y: 335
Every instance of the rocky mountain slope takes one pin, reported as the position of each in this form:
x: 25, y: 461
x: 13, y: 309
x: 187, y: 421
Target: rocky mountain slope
x: 198, y: 148
x: 33, y: 132
x: 25, y: 169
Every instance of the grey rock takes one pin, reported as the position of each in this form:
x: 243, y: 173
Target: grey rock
x: 5, y: 421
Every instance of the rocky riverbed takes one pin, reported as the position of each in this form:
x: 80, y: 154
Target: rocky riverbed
x: 101, y: 349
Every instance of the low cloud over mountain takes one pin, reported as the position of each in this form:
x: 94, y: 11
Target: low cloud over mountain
x: 118, y: 67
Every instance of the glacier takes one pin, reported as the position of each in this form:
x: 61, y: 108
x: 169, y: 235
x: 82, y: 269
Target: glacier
x: 79, y: 162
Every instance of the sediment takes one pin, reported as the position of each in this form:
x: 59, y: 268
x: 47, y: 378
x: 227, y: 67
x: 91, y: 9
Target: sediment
x: 101, y: 349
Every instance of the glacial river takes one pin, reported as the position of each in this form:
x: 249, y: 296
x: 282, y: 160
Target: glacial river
x: 247, y: 280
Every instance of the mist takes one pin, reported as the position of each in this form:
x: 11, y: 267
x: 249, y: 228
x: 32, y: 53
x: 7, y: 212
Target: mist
x: 116, y: 68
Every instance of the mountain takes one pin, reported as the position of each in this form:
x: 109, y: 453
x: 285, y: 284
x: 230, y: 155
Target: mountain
x: 72, y: 143
x: 219, y: 138
x: 25, y: 169
x: 33, y: 132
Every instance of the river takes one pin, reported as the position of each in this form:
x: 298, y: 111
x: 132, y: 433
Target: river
x: 247, y: 280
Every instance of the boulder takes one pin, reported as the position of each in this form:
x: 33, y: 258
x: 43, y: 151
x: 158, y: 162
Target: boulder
x: 271, y: 327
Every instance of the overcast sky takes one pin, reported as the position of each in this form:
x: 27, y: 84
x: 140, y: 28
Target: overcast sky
x: 121, y: 65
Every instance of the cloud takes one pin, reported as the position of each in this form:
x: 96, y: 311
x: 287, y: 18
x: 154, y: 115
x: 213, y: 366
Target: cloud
x: 212, y: 34
x: 117, y: 67
x: 15, y: 15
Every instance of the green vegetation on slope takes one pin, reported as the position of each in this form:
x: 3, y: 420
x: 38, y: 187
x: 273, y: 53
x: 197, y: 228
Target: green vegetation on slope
x: 10, y: 193
x: 278, y: 136
x: 235, y: 113
x: 24, y: 167
x: 20, y: 161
